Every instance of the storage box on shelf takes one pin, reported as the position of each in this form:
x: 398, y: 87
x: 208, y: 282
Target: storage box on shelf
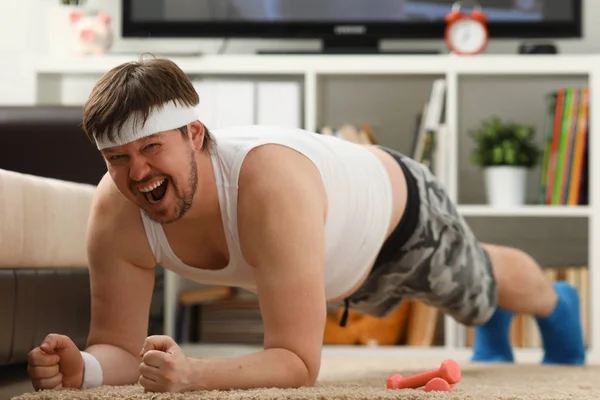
x: 388, y: 92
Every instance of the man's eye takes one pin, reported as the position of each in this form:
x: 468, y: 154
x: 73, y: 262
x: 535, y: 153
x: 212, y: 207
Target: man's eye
x: 151, y: 146
x: 115, y: 158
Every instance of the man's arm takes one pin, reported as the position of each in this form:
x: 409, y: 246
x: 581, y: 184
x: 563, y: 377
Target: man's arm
x: 121, y: 288
x: 281, y: 212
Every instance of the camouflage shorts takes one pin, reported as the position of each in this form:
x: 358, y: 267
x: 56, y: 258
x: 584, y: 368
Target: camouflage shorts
x: 439, y: 261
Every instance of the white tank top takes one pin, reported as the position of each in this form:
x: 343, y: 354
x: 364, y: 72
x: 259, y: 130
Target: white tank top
x: 359, y: 199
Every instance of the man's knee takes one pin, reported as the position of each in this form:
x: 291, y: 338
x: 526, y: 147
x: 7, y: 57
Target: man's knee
x: 478, y: 287
x: 473, y: 308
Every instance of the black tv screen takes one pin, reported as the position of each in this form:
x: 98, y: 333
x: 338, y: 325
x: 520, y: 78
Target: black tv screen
x: 341, y: 11
x: 326, y: 19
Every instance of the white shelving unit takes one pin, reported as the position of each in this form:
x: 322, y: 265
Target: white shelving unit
x: 313, y: 69
x: 525, y: 211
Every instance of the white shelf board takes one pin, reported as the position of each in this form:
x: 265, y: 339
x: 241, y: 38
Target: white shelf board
x: 524, y: 211
x: 246, y: 64
x: 522, y: 355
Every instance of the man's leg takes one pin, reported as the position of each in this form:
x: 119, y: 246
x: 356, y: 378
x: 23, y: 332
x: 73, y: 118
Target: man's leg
x: 523, y: 288
x: 522, y: 285
x: 444, y: 265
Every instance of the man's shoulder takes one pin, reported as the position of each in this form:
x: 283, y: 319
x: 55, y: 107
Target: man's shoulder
x: 110, y: 204
x: 116, y: 225
x: 275, y: 160
x: 279, y: 188
x: 271, y: 172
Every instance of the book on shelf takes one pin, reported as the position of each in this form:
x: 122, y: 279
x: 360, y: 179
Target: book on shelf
x: 430, y: 135
x: 565, y: 150
x: 524, y: 331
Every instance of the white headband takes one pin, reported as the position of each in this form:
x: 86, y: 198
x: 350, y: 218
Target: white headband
x: 167, y: 117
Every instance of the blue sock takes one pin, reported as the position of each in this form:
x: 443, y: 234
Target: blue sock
x: 562, y: 335
x: 492, y: 339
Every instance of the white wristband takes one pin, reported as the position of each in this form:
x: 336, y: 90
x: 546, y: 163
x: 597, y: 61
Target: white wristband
x: 92, y: 371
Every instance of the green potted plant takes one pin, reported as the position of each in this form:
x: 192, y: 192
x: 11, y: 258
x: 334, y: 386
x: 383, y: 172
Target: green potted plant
x: 506, y: 151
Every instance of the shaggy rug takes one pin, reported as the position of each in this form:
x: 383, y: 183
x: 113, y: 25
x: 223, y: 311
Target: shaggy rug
x: 365, y: 378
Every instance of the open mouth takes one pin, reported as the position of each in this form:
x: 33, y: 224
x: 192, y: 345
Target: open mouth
x: 156, y: 192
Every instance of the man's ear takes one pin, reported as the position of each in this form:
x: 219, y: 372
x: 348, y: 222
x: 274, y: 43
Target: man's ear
x: 196, y: 131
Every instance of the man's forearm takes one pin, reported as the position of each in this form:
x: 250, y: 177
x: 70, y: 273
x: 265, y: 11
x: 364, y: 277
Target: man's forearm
x: 119, y: 367
x: 268, y: 368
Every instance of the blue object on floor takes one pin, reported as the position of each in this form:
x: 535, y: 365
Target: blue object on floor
x: 492, y: 339
x: 561, y: 331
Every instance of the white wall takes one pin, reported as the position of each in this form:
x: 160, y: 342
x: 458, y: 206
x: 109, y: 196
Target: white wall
x: 17, y: 37
x: 21, y: 38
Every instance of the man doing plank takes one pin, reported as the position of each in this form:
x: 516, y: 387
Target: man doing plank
x: 299, y: 218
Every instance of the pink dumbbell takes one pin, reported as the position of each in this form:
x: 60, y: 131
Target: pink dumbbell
x: 438, y: 385
x: 449, y: 372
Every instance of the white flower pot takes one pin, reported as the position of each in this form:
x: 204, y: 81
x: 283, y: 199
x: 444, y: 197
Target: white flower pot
x: 506, y: 185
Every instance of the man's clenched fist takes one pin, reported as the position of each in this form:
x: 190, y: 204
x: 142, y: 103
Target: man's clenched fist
x: 164, y: 367
x: 56, y: 362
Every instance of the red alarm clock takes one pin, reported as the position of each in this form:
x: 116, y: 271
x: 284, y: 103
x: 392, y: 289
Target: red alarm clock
x: 466, y: 34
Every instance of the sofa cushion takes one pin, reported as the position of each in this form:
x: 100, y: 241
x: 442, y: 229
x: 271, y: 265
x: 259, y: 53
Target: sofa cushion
x: 8, y: 289
x: 38, y: 140
x: 37, y: 302
x: 43, y: 221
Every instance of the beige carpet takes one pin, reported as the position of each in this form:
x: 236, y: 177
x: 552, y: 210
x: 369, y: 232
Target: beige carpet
x: 365, y: 378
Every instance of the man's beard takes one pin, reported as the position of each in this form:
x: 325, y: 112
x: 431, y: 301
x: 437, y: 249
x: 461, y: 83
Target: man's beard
x: 183, y: 201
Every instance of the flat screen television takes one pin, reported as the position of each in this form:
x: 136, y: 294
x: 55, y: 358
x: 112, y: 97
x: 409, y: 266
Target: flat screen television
x: 343, y: 26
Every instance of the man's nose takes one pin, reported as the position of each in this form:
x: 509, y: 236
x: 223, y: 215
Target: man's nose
x: 138, y: 169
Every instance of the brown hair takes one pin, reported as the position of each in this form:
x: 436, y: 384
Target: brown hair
x: 134, y: 88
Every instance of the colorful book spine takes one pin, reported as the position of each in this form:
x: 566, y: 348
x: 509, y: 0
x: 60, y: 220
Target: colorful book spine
x: 564, y: 163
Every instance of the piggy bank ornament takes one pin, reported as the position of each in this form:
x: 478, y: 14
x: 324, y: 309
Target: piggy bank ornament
x: 94, y: 35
